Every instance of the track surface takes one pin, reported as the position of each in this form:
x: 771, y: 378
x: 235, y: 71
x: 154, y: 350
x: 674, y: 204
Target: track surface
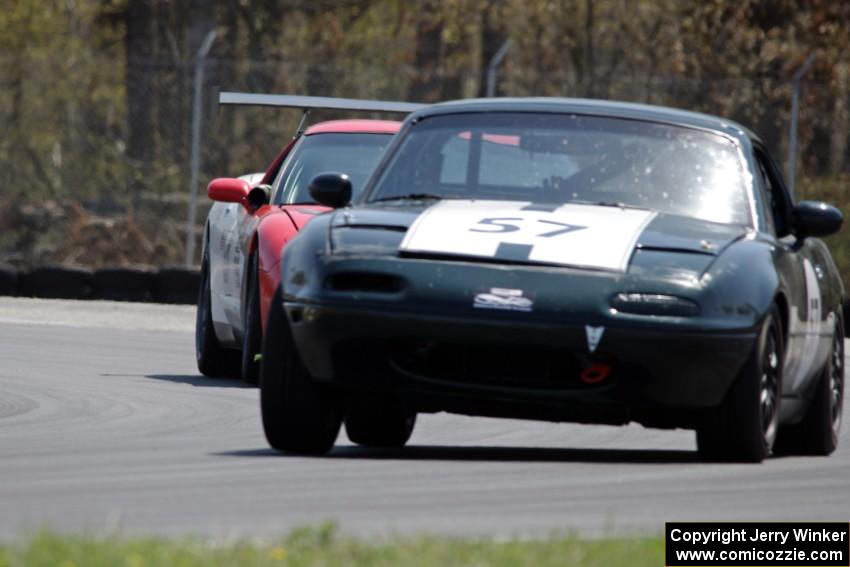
x: 106, y: 426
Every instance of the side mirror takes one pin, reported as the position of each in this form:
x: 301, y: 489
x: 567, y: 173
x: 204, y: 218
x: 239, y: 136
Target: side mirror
x: 259, y: 196
x: 331, y: 189
x: 228, y: 190
x: 813, y: 218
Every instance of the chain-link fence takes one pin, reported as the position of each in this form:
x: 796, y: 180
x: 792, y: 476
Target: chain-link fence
x: 94, y: 165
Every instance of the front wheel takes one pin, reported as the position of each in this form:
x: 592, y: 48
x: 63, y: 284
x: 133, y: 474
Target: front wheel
x: 379, y: 424
x: 252, y: 338
x: 299, y: 414
x: 743, y: 428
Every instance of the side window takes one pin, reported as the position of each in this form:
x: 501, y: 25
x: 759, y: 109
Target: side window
x: 278, y: 189
x: 777, y: 202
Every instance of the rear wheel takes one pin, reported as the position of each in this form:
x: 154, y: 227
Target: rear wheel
x: 817, y: 433
x: 213, y: 359
x: 252, y: 338
x: 299, y: 414
x: 377, y: 424
x: 744, y: 427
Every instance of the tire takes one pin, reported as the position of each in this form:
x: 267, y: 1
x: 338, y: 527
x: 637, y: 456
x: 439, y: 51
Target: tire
x: 817, y: 433
x: 299, y: 414
x: 252, y: 338
x: 743, y: 428
x: 59, y: 282
x: 378, y: 424
x: 213, y: 359
x: 123, y: 284
x: 176, y: 285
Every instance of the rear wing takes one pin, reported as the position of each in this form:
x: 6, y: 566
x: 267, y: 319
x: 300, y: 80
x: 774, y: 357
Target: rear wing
x: 308, y: 103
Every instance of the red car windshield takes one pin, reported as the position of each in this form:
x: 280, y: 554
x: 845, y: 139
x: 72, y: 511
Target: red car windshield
x: 355, y: 154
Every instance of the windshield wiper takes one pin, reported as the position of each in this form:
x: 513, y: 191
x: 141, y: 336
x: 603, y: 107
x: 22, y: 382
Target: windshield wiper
x: 618, y: 204
x: 410, y: 197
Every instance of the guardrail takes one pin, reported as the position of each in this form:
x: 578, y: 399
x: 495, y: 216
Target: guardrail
x: 162, y: 285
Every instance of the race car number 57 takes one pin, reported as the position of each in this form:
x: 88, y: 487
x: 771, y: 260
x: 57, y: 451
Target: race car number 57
x: 566, y: 235
x: 502, y: 224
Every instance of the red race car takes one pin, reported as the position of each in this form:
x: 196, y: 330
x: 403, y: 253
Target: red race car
x: 256, y: 215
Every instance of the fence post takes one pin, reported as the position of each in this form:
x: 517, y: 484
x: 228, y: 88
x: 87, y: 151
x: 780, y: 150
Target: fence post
x: 495, y: 61
x: 200, y: 61
x: 791, y: 167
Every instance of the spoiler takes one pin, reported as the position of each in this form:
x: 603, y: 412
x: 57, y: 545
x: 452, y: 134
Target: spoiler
x: 308, y: 103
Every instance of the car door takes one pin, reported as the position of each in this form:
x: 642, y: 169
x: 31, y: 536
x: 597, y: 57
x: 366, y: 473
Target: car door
x: 239, y: 239
x: 802, y: 270
x: 226, y: 262
x: 241, y: 227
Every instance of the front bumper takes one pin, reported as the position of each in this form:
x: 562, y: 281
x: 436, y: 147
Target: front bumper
x: 502, y: 365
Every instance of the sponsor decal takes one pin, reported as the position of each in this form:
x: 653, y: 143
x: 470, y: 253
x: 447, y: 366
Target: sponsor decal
x: 808, y: 328
x: 501, y: 298
x: 594, y: 335
x: 568, y: 235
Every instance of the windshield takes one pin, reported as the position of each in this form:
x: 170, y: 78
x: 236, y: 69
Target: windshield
x: 550, y: 158
x: 355, y: 154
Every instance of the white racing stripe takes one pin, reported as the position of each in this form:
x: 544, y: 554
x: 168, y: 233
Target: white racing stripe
x: 569, y: 235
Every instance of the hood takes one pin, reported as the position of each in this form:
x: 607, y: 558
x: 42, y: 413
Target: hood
x: 301, y: 214
x: 686, y: 234
x: 572, y: 235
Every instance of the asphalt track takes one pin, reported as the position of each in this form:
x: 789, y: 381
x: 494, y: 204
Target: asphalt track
x: 106, y: 427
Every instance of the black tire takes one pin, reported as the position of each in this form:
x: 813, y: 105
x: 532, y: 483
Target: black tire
x: 817, y: 433
x: 744, y: 427
x: 252, y: 338
x: 176, y: 285
x: 8, y: 280
x: 299, y: 414
x: 123, y: 284
x: 376, y: 424
x: 59, y: 282
x: 213, y: 359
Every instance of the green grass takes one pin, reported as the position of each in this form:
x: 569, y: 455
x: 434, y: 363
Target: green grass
x: 323, y: 546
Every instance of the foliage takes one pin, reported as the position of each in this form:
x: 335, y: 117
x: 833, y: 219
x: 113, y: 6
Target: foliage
x: 96, y: 95
x: 836, y: 191
x: 323, y: 546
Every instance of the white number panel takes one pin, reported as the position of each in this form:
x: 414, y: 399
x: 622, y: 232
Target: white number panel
x: 568, y: 235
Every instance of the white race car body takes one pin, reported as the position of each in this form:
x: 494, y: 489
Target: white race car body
x: 227, y: 225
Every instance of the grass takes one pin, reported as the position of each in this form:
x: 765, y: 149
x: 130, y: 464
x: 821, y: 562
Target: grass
x: 323, y: 546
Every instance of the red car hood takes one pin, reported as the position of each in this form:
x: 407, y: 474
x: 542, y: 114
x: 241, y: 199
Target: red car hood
x: 301, y: 214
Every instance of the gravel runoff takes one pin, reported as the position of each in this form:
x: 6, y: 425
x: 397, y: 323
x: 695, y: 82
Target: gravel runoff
x: 100, y: 314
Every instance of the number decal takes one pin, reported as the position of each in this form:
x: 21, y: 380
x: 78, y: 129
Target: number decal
x: 495, y: 223
x: 564, y: 230
x: 502, y: 226
x: 518, y: 231
x: 810, y: 325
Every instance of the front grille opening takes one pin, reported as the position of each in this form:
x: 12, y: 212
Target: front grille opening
x: 510, y: 366
x: 365, y: 282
